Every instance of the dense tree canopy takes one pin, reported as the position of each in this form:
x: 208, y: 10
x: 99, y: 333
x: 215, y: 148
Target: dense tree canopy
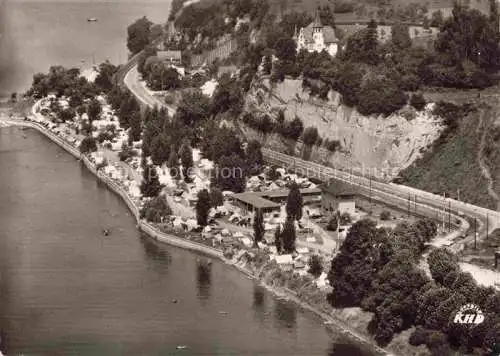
x: 231, y: 173
x: 156, y: 210
x: 255, y: 159
x: 469, y: 35
x: 104, y: 78
x: 228, y: 96
x: 363, y: 253
x: 193, y: 108
x: 150, y: 185
x: 138, y: 35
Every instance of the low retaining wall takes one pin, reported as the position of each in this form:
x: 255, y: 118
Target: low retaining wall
x: 113, y: 186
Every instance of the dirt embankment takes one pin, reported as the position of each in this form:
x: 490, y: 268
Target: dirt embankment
x: 387, y: 144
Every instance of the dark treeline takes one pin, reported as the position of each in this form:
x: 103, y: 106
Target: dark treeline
x: 377, y: 270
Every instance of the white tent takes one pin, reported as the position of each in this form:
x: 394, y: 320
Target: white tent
x: 247, y: 242
x: 322, y: 281
x: 223, y: 210
x: 302, y: 250
x: 207, y: 229
x: 177, y: 222
x: 269, y: 227
x: 284, y: 259
x: 191, y: 224
x: 281, y: 171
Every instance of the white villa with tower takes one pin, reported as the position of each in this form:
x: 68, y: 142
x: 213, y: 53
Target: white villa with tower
x: 316, y: 38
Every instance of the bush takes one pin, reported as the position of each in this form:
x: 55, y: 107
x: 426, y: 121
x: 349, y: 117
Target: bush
x: 310, y: 136
x: 169, y: 99
x: 315, y: 265
x: 437, y: 343
x: 216, y: 197
x: 417, y: 101
x: 332, y: 145
x: 293, y: 129
x: 419, y: 337
x: 105, y: 135
x: 381, y: 96
x: 345, y: 218
x: 88, y: 144
x: 272, y: 174
x: 441, y: 263
x: 385, y: 215
x: 155, y: 210
x: 332, y: 224
x: 125, y: 153
x: 103, y: 164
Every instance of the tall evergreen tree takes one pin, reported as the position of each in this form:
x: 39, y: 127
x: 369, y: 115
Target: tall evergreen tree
x: 135, y: 127
x: 289, y: 236
x: 186, y: 154
x: 258, y: 226
x: 94, y: 110
x: 216, y: 197
x: 278, y: 242
x: 160, y: 149
x: 173, y: 164
x: 150, y: 185
x: 203, y: 207
x: 294, y: 203
x: 255, y: 160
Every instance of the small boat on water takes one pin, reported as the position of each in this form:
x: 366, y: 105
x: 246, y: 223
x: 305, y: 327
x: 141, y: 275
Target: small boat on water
x: 92, y: 19
x: 181, y: 347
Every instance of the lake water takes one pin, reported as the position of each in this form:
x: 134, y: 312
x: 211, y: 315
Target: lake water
x: 37, y: 34
x: 65, y: 289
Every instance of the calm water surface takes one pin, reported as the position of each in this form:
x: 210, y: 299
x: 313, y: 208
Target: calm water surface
x: 67, y: 290
x: 37, y: 34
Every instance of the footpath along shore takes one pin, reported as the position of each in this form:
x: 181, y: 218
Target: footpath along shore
x: 331, y: 321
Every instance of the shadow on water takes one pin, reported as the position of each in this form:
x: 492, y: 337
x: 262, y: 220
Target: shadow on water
x: 285, y: 314
x: 159, y: 256
x: 342, y: 348
x: 7, y: 57
x: 259, y: 302
x: 203, y: 279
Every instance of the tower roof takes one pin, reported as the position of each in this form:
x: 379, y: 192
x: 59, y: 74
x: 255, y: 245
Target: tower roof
x: 317, y: 20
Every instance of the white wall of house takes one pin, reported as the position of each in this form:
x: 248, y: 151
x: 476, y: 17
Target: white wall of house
x: 332, y: 49
x: 347, y: 207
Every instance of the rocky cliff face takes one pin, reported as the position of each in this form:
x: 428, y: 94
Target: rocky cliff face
x: 384, y: 145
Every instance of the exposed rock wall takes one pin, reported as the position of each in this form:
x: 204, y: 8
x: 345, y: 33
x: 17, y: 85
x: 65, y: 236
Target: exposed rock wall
x: 387, y: 144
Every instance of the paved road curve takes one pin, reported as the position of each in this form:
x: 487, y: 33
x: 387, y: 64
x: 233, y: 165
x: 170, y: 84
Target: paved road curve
x: 132, y: 81
x: 427, y: 204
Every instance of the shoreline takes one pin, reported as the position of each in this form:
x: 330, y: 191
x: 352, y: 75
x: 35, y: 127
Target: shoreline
x: 156, y: 234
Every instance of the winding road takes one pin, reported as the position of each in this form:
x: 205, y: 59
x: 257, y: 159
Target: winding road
x: 419, y: 202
